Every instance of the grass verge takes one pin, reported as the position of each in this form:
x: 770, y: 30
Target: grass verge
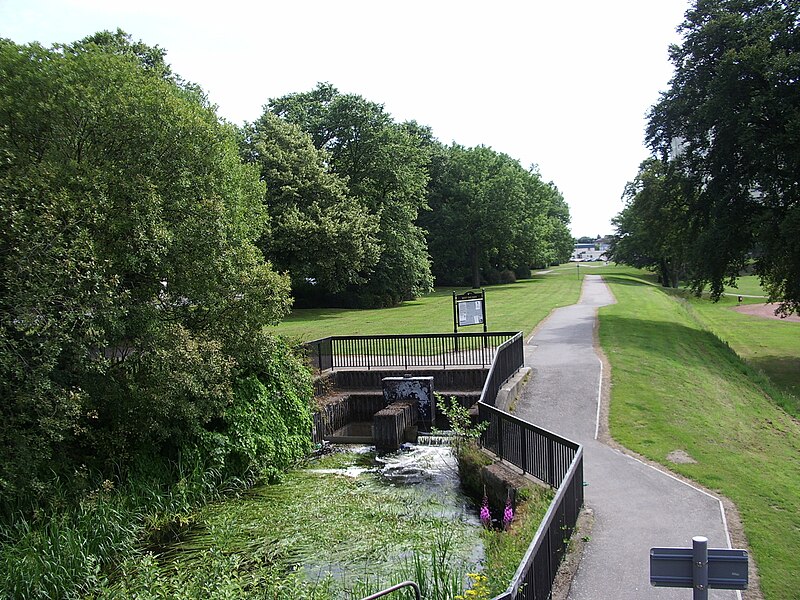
x: 511, y: 307
x: 676, y: 385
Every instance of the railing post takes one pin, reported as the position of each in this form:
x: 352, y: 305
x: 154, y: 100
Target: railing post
x: 524, y: 450
x: 551, y: 467
x: 700, y: 567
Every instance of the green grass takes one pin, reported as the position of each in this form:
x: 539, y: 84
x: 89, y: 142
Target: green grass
x: 676, y: 385
x: 748, y: 285
x: 511, y: 307
x: 769, y: 345
x: 316, y: 534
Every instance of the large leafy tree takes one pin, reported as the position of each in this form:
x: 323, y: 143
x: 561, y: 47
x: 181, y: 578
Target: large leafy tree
x: 132, y: 295
x: 385, y: 166
x: 650, y: 230
x: 488, y: 213
x: 731, y: 121
x: 320, y: 235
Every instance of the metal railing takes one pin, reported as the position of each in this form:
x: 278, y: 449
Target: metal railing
x: 541, y: 453
x: 559, y: 463
x: 549, y: 457
x: 508, y: 359
x: 409, y: 584
x: 407, y: 351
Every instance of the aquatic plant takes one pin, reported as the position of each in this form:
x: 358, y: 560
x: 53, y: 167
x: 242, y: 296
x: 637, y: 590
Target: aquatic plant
x: 486, y: 516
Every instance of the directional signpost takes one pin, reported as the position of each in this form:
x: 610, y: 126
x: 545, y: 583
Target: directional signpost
x: 699, y: 568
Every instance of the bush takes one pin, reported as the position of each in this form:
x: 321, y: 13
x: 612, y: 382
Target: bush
x: 507, y: 276
x: 492, y: 276
x: 269, y: 422
x: 523, y: 272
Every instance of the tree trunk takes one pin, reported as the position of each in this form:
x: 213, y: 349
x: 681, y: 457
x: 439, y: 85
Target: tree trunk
x: 476, y: 269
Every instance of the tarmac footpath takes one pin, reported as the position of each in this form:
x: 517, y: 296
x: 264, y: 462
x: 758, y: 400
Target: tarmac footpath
x: 636, y: 506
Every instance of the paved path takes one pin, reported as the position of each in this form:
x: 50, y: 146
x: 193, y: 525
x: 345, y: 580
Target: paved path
x: 635, y: 506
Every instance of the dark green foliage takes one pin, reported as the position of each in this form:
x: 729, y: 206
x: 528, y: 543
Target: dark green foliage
x: 508, y: 276
x: 650, y: 229
x: 488, y: 214
x: 731, y: 122
x: 522, y: 272
x: 384, y: 165
x: 321, y: 236
x: 132, y: 294
x: 269, y: 421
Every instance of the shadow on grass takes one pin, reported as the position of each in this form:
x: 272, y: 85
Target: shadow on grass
x: 703, y: 351
x: 629, y: 280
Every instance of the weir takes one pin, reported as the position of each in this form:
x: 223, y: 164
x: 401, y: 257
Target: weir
x: 387, y: 408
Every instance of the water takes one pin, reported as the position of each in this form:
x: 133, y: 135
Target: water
x: 357, y: 517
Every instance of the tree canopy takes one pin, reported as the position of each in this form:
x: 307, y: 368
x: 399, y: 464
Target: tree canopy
x: 132, y: 294
x: 730, y: 121
x: 385, y: 167
x: 320, y: 235
x: 649, y: 232
x: 490, y: 214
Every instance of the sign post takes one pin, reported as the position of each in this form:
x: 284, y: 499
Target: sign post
x: 699, y: 568
x: 469, y: 309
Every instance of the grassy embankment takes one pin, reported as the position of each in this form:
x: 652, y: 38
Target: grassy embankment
x: 512, y: 307
x: 677, y: 385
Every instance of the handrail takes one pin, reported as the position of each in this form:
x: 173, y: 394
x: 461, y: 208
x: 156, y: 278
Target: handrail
x: 508, y: 358
x: 546, y: 455
x: 406, y: 350
x: 394, y: 588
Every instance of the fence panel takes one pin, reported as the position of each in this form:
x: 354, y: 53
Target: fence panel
x: 557, y: 462
x: 417, y: 350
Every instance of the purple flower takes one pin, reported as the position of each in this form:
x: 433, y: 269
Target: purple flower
x: 508, y: 515
x: 486, y: 516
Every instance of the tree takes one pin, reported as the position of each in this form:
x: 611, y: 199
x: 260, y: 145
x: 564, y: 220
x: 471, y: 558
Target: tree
x: 650, y: 229
x: 319, y: 234
x: 729, y: 121
x: 489, y: 214
x: 385, y: 167
x: 132, y: 295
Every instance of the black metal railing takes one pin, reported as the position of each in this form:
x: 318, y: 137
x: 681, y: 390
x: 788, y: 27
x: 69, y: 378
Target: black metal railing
x: 538, y: 568
x: 557, y: 462
x: 407, y: 351
x: 549, y: 457
x: 508, y: 359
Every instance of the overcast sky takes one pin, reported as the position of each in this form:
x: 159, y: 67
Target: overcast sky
x: 563, y: 85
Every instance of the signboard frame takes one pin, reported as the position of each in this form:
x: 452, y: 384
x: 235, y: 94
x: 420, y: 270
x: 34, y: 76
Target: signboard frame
x: 699, y: 568
x: 469, y: 306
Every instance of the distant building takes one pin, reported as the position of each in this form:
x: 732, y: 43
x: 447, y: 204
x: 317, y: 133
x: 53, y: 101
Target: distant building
x: 591, y: 252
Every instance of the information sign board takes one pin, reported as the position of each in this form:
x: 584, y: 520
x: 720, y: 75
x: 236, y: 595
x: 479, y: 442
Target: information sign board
x: 469, y: 308
x: 470, y: 312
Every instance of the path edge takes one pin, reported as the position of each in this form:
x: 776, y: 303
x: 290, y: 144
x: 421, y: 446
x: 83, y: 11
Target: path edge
x: 733, y: 519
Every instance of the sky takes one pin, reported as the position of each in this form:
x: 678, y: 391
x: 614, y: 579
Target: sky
x: 561, y: 85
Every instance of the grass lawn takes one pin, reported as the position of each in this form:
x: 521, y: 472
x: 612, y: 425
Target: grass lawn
x: 512, y: 307
x: 749, y: 285
x: 769, y: 345
x: 676, y: 385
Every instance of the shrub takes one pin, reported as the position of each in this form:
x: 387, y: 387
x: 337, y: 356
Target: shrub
x: 507, y: 276
x: 523, y: 272
x: 268, y: 424
x: 492, y: 276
